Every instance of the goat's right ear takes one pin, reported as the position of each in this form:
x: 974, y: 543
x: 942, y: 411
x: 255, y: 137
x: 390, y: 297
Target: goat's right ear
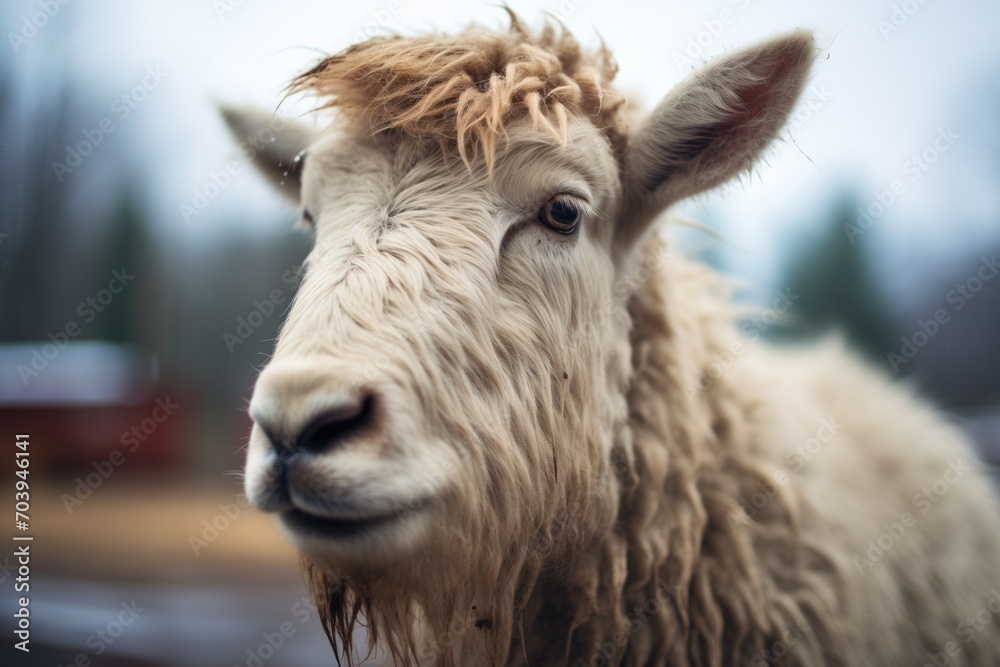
x: 275, y: 145
x: 712, y: 127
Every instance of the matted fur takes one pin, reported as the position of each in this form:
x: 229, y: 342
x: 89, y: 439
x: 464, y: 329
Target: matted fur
x: 600, y: 441
x: 464, y: 90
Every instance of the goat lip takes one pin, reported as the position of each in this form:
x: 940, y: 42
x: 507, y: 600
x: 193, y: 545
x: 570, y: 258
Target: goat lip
x: 337, y: 507
x: 315, y: 525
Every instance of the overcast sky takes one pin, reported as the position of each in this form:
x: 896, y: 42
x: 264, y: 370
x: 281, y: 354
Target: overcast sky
x: 879, y: 96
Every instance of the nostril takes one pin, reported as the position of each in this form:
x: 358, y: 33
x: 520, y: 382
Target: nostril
x: 333, y: 426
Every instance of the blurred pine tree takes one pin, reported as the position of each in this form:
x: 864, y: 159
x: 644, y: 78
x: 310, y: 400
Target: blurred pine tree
x: 838, y: 289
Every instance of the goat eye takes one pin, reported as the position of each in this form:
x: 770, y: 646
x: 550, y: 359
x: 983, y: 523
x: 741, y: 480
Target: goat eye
x: 560, y: 214
x: 308, y: 217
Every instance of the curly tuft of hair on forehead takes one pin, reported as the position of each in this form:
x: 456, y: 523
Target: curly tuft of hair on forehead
x: 463, y: 90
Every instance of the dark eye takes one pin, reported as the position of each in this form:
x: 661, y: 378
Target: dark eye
x: 560, y: 214
x: 308, y: 217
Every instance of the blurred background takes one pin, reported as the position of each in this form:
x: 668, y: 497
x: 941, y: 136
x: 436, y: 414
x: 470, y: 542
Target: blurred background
x: 142, y: 260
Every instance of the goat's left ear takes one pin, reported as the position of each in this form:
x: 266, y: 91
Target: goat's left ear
x: 712, y: 127
x: 273, y: 143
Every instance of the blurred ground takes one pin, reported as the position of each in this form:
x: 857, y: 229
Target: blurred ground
x: 118, y: 582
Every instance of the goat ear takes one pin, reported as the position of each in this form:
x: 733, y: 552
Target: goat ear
x: 712, y: 127
x: 273, y: 143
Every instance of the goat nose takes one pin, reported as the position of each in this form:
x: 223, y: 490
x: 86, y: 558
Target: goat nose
x: 333, y: 425
x: 300, y: 410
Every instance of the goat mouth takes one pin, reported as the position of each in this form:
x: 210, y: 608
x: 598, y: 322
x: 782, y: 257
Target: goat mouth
x: 316, y: 526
